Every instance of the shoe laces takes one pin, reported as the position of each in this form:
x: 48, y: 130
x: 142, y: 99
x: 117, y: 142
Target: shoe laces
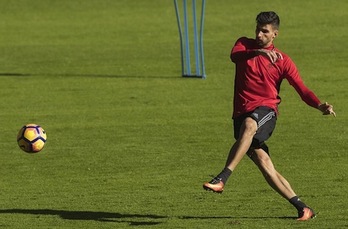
x: 215, y: 180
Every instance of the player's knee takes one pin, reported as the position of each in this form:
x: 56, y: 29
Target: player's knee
x: 265, y: 148
x: 264, y: 159
x: 249, y: 126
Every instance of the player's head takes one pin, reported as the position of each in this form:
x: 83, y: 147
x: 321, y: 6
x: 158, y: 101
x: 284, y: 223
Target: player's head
x: 267, y: 25
x: 269, y: 17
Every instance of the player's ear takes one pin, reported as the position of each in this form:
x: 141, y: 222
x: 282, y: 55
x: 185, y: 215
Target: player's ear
x: 275, y: 34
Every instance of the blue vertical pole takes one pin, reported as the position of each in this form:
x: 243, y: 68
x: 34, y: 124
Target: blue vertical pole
x: 195, y: 38
x: 187, y: 45
x: 201, y: 39
x: 180, y: 36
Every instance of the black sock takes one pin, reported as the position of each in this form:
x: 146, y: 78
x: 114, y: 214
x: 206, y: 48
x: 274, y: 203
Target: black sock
x: 298, y: 204
x: 224, y: 175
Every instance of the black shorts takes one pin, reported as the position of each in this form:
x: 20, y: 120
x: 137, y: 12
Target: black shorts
x: 266, y: 121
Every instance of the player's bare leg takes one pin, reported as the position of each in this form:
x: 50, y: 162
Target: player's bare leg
x: 242, y: 145
x: 237, y: 152
x: 272, y: 176
x: 279, y: 183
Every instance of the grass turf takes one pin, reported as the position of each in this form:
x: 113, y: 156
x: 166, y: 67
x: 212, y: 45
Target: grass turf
x: 130, y: 142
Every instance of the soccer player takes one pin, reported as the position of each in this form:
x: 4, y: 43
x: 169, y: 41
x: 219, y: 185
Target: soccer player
x: 260, y: 69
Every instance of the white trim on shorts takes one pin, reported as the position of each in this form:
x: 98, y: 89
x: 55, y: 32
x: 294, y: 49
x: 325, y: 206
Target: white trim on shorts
x: 265, y: 119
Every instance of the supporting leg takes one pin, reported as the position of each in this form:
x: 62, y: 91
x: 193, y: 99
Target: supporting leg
x: 272, y: 176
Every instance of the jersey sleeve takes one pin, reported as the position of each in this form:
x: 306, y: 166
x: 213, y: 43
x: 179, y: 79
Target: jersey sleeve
x: 242, y: 50
x: 292, y: 75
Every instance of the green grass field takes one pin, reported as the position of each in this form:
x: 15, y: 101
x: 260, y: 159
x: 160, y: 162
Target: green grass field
x: 130, y: 141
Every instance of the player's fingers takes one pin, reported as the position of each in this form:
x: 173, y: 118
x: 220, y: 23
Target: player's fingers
x: 273, y: 56
x: 329, y: 111
x: 332, y: 112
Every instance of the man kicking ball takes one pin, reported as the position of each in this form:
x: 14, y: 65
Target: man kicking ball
x: 260, y: 69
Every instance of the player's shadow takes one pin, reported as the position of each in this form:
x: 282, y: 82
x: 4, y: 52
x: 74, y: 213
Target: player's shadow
x: 131, y: 219
x: 238, y: 217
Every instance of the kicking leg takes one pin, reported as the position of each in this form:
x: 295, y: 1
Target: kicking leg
x: 242, y: 145
x: 237, y: 152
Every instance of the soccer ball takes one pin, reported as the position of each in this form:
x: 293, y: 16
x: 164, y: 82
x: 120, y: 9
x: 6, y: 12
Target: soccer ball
x: 31, y: 138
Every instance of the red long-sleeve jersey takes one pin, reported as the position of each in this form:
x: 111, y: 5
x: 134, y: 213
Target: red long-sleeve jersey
x: 257, y: 79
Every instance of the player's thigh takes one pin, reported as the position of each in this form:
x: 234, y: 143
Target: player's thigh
x: 266, y: 122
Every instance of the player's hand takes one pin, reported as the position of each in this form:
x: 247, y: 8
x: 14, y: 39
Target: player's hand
x: 271, y: 54
x: 327, y: 109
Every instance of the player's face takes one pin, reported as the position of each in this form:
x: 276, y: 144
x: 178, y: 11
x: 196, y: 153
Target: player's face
x: 265, y: 35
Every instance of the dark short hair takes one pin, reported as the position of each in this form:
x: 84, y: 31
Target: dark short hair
x: 268, y: 17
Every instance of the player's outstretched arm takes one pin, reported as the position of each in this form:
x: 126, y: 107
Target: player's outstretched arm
x: 327, y: 109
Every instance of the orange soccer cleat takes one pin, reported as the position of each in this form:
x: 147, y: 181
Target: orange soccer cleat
x: 215, y: 185
x: 306, y: 214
